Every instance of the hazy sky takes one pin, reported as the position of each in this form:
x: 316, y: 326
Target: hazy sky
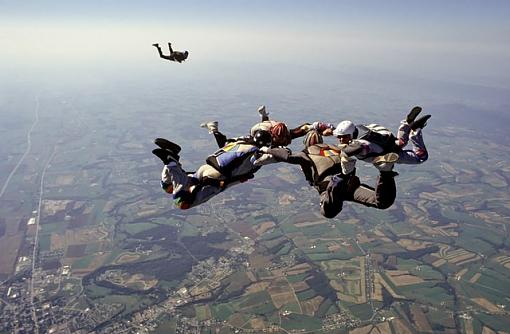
x: 445, y: 38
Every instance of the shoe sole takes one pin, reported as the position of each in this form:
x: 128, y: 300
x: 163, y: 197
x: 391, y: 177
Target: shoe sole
x: 387, y: 158
x: 420, y: 123
x: 412, y: 114
x: 164, y: 155
x: 167, y: 145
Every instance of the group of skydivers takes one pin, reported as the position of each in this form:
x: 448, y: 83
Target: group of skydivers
x: 328, y: 168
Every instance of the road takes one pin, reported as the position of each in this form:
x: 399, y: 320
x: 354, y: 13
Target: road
x: 29, y: 146
x: 36, y: 242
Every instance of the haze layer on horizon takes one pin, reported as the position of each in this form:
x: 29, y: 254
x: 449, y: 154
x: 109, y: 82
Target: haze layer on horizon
x: 453, y: 40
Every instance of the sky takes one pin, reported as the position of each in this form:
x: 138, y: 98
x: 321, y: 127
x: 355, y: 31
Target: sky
x: 456, y: 40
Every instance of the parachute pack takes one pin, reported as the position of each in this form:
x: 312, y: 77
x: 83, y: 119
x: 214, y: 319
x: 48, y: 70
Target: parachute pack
x: 379, y: 135
x: 230, y: 159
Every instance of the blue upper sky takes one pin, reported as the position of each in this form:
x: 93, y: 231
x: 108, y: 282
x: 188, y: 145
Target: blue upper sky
x: 464, y: 39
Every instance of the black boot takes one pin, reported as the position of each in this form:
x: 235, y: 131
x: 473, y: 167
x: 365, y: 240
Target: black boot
x: 167, y: 145
x: 412, y: 114
x: 420, y: 123
x: 166, y: 156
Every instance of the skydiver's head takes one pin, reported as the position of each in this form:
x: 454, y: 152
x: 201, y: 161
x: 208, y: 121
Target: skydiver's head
x: 262, y: 138
x: 281, y: 134
x: 185, y: 54
x: 345, y: 131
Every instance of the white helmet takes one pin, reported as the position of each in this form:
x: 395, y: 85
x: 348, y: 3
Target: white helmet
x: 345, y: 128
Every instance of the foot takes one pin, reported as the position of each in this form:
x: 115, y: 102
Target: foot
x: 167, y: 145
x: 387, y: 158
x: 412, y: 114
x: 262, y: 111
x: 420, y: 123
x: 156, y: 45
x: 211, y: 126
x: 166, y: 156
x: 385, y: 167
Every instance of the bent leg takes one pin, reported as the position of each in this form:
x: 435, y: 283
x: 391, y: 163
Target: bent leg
x: 382, y: 197
x: 221, y: 139
x: 403, y: 134
x: 332, y: 198
x: 160, y: 52
x: 419, y: 153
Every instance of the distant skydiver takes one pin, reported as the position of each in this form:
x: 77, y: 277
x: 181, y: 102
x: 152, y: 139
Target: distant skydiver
x: 174, y: 55
x: 234, y: 163
x: 322, y: 166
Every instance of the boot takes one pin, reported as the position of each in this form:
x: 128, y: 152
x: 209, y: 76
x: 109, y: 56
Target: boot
x: 156, y: 45
x: 166, y: 156
x: 387, y: 158
x: 262, y: 111
x: 167, y: 145
x: 412, y: 114
x: 211, y: 126
x: 420, y: 123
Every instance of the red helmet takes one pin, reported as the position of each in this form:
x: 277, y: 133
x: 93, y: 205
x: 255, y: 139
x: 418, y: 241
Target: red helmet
x: 281, y: 135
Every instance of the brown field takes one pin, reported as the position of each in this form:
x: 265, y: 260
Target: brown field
x: 51, y: 207
x: 487, y: 305
x: 58, y: 241
x: 258, y: 261
x: 263, y: 227
x: 382, y: 328
x: 236, y: 320
x: 400, y: 327
x: 413, y: 245
x: 419, y: 318
x: 468, y: 326
x: 504, y: 260
x: 9, y: 246
x: 400, y: 278
x: 388, y: 288
x: 475, y: 278
x: 298, y: 269
x: 476, y: 258
x: 313, y: 223
x: 377, y: 294
x: 487, y: 330
x: 85, y: 235
x: 64, y: 180
x: 126, y: 257
x: 438, y: 263
x: 461, y: 273
x: 244, y: 230
x: 333, y: 247
x: 258, y: 324
x: 256, y: 287
x: 147, y: 283
x: 300, y: 286
x: 462, y: 257
x: 311, y: 306
x: 281, y: 292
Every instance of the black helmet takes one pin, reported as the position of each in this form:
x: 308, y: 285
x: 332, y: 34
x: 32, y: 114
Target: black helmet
x: 262, y: 138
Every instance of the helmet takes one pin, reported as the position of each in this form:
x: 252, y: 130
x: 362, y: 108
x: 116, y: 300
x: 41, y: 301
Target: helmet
x: 262, y: 138
x: 281, y: 135
x: 312, y: 138
x: 345, y: 128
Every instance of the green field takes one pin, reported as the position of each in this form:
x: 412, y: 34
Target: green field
x: 298, y: 322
